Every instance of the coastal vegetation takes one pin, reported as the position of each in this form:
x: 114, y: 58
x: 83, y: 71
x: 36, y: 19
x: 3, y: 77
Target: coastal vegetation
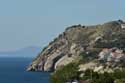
x: 69, y: 73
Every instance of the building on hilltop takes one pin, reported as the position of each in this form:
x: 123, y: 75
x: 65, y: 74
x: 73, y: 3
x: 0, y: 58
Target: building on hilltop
x: 123, y: 26
x: 111, y: 55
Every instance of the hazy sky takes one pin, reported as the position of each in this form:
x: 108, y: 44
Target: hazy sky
x: 36, y: 22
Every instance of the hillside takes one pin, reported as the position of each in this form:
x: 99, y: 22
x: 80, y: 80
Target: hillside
x: 80, y: 44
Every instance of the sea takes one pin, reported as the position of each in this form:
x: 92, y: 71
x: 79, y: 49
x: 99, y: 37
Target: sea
x: 13, y: 70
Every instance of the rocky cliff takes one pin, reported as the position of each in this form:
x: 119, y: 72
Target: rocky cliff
x: 77, y: 39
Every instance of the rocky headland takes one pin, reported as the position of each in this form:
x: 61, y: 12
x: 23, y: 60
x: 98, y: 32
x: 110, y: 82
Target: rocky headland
x: 78, y: 42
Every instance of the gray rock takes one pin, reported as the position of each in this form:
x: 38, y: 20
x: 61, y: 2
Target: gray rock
x: 76, y: 40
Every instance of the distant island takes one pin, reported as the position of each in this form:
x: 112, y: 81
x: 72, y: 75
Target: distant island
x: 30, y: 51
x: 85, y: 54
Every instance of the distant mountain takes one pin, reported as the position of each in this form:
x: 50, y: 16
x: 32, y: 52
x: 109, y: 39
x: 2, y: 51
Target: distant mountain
x: 31, y: 51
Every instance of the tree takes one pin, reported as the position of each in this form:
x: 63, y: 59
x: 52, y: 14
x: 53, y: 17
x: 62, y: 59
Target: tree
x: 68, y: 72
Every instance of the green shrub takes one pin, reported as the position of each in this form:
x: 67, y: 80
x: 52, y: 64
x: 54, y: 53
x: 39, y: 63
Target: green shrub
x: 66, y: 73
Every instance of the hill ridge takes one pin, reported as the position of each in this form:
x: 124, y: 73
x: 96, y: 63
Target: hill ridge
x: 77, y: 40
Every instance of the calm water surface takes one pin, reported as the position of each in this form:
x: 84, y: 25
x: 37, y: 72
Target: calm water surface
x: 13, y: 70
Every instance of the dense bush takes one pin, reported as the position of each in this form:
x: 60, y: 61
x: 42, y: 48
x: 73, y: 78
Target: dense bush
x: 105, y: 77
x: 68, y: 72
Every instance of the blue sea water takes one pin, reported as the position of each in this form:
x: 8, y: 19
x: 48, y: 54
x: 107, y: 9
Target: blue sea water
x: 13, y: 70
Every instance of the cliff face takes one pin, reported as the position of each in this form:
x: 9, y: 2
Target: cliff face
x: 78, y: 39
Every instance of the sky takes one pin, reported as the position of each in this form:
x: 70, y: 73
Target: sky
x: 37, y: 22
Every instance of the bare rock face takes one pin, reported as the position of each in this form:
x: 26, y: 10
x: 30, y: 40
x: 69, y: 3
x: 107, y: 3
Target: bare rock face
x: 78, y: 39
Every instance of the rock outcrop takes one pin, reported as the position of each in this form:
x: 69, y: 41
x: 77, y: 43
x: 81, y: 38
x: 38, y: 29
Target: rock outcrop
x: 78, y: 39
